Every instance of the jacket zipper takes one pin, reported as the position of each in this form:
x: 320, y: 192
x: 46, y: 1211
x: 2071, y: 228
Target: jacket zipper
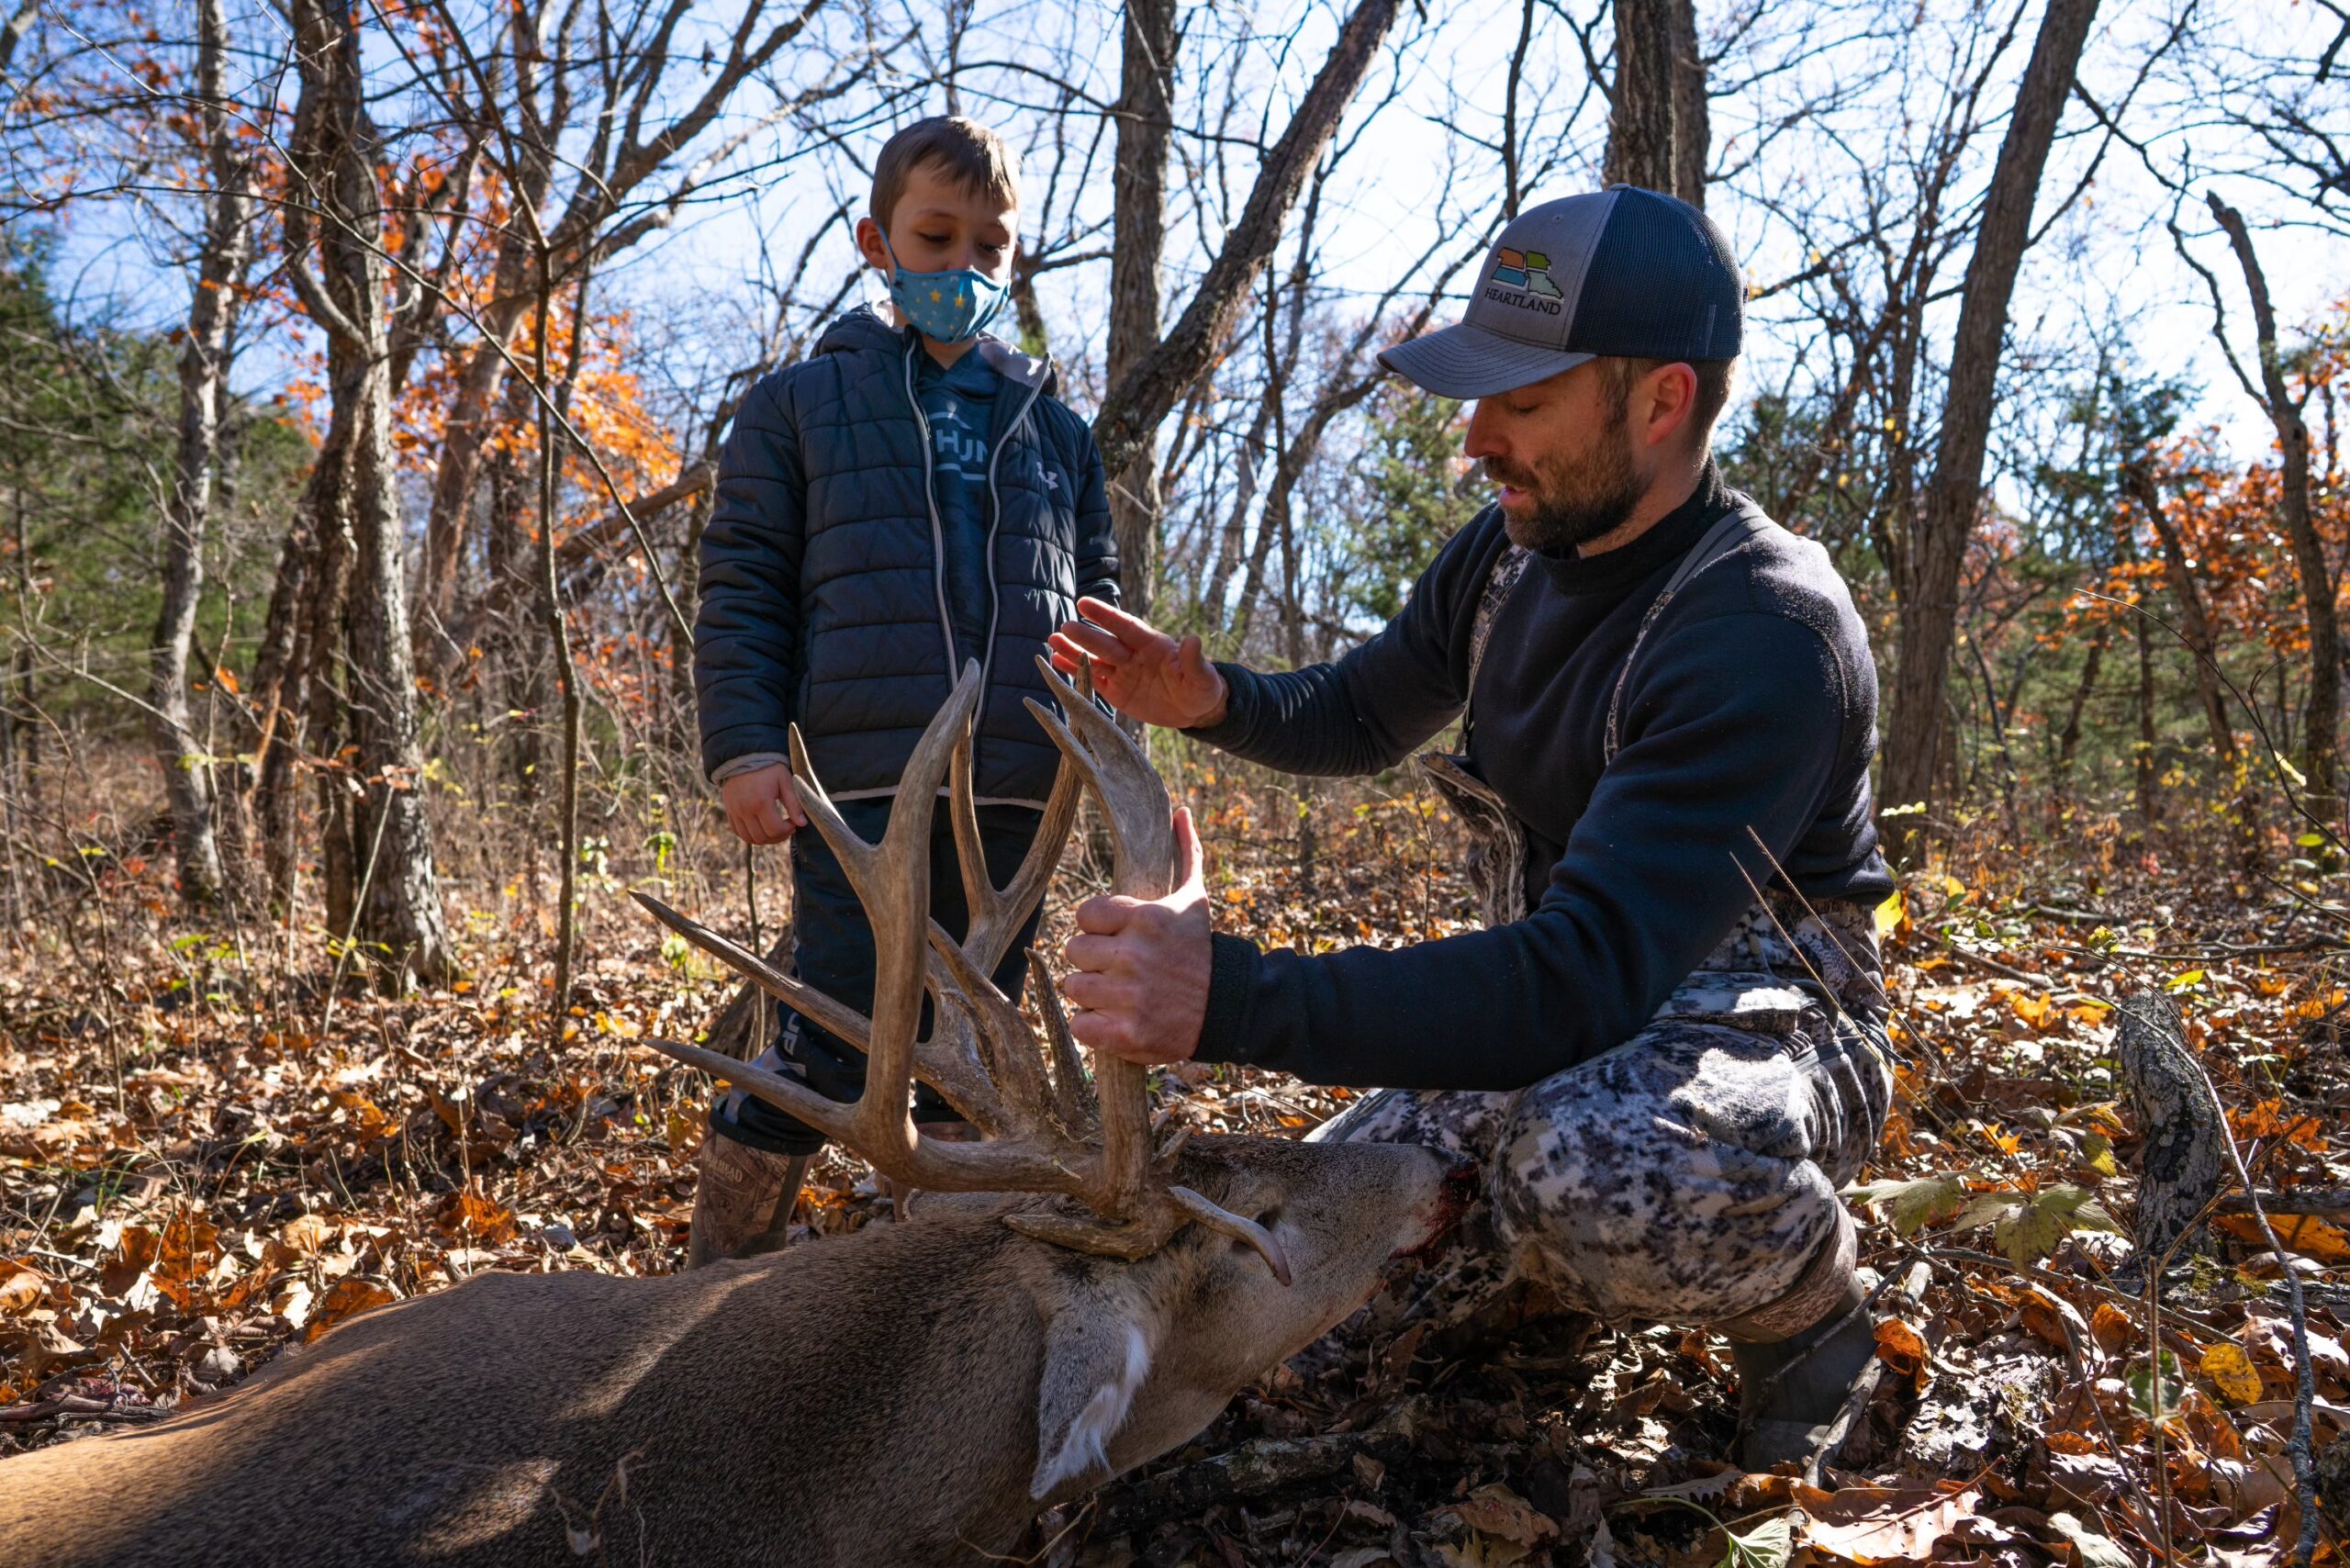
x: 995, y: 520
x: 937, y: 528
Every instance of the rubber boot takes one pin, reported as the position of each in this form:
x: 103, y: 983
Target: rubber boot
x: 743, y: 1201
x: 1799, y: 1358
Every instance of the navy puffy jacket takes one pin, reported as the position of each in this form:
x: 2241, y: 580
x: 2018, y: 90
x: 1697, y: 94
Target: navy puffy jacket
x: 822, y: 598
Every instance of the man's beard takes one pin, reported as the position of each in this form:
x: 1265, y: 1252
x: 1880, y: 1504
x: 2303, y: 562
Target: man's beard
x: 1577, y: 499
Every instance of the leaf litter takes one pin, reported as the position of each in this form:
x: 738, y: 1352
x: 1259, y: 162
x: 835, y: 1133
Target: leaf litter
x: 192, y: 1178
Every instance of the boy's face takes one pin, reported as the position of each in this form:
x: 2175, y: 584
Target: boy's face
x: 941, y: 227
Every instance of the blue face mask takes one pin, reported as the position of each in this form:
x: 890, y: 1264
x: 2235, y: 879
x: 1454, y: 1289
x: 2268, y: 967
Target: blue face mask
x: 949, y: 305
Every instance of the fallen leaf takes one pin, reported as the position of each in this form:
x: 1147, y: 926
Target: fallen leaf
x: 2229, y: 1367
x: 2095, y: 1551
x: 1494, y: 1509
x: 2305, y: 1234
x: 307, y: 1234
x: 1902, y: 1350
x: 21, y: 1291
x: 1868, y: 1525
x: 351, y: 1294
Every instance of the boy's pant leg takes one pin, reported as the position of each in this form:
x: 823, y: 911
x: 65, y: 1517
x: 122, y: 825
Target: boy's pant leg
x: 832, y: 951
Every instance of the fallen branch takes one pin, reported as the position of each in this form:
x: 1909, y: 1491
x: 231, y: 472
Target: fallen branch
x: 1992, y: 966
x: 80, y: 1408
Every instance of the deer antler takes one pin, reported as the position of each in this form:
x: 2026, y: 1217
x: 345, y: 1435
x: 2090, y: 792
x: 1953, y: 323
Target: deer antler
x: 1042, y: 1134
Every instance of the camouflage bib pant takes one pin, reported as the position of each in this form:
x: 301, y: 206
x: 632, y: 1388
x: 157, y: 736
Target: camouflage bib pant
x: 1690, y: 1175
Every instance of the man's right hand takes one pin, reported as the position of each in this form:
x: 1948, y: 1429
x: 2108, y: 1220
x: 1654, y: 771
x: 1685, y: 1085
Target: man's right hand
x: 1140, y: 670
x: 763, y: 806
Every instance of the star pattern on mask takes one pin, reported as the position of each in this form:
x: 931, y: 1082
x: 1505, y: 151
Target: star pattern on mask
x: 934, y: 297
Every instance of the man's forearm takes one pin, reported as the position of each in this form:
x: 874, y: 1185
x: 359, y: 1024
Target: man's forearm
x: 1306, y: 721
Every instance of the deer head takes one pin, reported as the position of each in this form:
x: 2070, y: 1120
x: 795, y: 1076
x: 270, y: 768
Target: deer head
x: 1045, y: 1130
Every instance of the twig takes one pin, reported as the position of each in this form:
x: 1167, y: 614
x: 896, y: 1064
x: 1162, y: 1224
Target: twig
x: 2301, y: 1448
x: 1992, y: 966
x: 358, y: 906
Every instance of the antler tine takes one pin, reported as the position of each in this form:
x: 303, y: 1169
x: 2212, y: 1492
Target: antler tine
x: 893, y: 882
x: 962, y: 1081
x: 1000, y: 1165
x: 978, y: 1026
x: 1072, y: 1096
x: 1142, y: 825
x: 835, y: 1017
x: 996, y: 914
x: 1133, y: 796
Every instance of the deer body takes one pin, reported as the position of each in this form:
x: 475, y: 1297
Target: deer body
x: 1083, y: 1290
x: 910, y: 1394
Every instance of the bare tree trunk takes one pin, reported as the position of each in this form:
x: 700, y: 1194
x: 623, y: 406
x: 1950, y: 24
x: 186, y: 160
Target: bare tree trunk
x: 2147, y: 809
x: 1138, y: 193
x: 2321, y: 724
x: 1926, y: 584
x: 465, y: 433
x: 1656, y: 124
x: 12, y: 32
x: 518, y: 657
x: 2195, y: 620
x: 333, y: 154
x: 279, y: 696
x: 2069, y: 742
x: 203, y: 364
x: 1139, y: 398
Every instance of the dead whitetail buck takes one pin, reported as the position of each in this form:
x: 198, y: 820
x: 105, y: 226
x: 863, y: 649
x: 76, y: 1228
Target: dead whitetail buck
x: 907, y: 1395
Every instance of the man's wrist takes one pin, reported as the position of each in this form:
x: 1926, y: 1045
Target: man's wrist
x: 1215, y: 715
x: 1220, y: 714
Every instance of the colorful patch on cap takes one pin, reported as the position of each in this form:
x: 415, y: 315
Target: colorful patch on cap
x: 1527, y: 269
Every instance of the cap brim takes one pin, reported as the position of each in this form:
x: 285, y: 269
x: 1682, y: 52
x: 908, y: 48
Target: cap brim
x: 1463, y: 361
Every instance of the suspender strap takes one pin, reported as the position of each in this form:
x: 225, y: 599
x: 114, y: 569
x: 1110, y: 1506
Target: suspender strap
x: 1507, y: 569
x: 1725, y: 536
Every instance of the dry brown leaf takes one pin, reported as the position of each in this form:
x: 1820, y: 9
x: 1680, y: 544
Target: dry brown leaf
x: 351, y: 1294
x: 21, y: 1289
x: 2113, y: 1329
x: 1903, y: 1350
x: 1873, y: 1525
x: 307, y: 1234
x: 1494, y: 1509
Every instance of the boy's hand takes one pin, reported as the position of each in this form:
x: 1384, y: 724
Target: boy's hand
x: 1140, y: 969
x: 762, y: 806
x: 1140, y: 670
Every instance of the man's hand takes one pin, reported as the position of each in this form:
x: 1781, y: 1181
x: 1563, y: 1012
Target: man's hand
x: 1140, y: 670
x: 763, y: 806
x: 1140, y: 969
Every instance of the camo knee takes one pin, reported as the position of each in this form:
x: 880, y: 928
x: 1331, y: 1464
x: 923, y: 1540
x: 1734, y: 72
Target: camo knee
x: 1680, y: 1178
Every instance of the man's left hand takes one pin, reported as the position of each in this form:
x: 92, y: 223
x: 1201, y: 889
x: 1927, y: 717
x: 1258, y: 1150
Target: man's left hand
x: 1140, y: 969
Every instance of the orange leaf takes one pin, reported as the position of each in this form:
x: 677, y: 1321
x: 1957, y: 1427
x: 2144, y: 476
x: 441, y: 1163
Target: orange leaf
x: 2113, y: 1329
x: 2305, y: 1234
x: 1902, y: 1350
x: 352, y: 1293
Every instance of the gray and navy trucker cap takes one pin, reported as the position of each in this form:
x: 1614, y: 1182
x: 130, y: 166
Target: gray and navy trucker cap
x: 1621, y: 272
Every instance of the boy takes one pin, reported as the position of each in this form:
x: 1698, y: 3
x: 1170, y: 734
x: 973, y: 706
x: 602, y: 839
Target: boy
x: 909, y: 498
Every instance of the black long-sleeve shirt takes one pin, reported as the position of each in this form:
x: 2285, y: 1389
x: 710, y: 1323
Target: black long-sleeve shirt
x: 1751, y: 705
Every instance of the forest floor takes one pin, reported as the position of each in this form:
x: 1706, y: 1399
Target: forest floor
x: 207, y: 1151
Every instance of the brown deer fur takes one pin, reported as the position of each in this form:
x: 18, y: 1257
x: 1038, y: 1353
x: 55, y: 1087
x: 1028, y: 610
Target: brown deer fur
x: 910, y: 1394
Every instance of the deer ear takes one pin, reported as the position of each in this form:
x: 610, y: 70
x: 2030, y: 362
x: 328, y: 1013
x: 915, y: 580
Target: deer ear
x: 1096, y: 1361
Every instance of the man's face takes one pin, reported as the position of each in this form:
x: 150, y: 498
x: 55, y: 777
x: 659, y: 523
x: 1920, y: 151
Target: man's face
x: 941, y: 227
x: 1564, y: 453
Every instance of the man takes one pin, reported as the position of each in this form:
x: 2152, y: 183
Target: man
x: 1668, y: 1048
